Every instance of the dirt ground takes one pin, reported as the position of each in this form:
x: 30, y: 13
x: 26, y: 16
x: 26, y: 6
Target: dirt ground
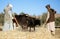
x: 40, y: 33
x: 57, y: 33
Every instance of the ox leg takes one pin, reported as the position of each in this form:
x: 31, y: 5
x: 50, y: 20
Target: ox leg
x: 14, y: 25
x: 27, y: 28
x: 22, y: 27
x: 30, y: 29
x: 34, y: 28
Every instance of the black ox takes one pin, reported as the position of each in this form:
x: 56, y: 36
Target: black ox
x: 27, y: 21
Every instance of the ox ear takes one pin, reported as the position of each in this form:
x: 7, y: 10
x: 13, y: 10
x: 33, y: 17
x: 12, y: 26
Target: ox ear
x: 27, y: 15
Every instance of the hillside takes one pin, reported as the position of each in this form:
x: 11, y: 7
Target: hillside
x: 57, y: 15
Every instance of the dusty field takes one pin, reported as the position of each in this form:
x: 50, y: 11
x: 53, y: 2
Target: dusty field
x: 40, y: 33
x: 57, y: 33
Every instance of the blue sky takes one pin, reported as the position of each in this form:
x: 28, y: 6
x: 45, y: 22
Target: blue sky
x: 32, y: 7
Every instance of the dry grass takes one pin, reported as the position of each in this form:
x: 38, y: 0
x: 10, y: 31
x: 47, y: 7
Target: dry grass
x: 40, y: 33
x: 57, y: 33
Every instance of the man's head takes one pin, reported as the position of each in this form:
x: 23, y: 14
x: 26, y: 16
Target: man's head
x: 9, y: 6
x: 48, y: 6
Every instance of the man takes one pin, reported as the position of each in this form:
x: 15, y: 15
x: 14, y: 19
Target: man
x: 50, y: 21
x: 8, y: 24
